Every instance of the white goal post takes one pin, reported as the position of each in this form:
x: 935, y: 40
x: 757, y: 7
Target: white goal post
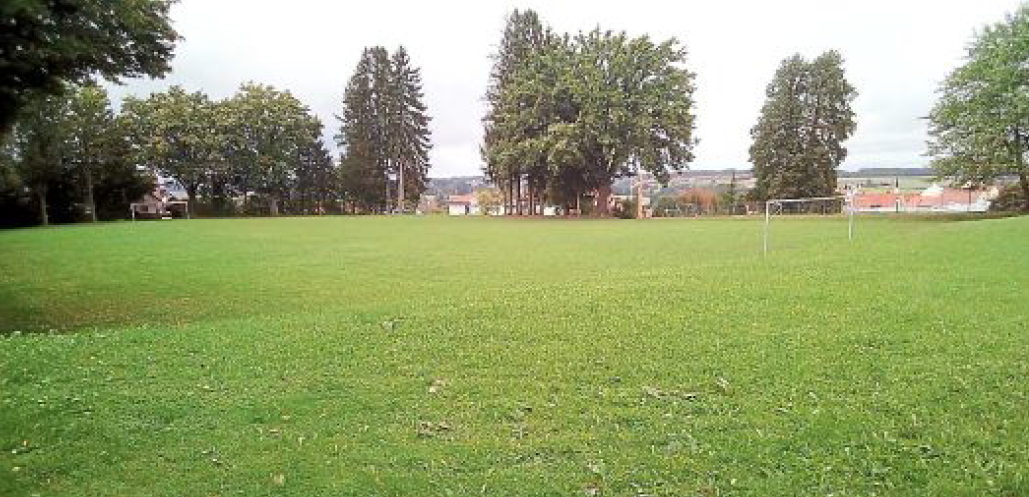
x: 848, y: 207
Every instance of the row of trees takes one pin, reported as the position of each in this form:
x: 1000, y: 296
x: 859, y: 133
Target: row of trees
x: 68, y: 150
x: 65, y: 150
x: 260, y: 151
x: 261, y: 143
x: 68, y: 156
x: 567, y: 115
x: 384, y: 133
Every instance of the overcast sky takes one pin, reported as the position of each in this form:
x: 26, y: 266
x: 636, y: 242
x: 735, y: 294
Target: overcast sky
x: 896, y: 53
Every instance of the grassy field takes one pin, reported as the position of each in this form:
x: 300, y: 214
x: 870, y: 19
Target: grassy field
x: 440, y: 356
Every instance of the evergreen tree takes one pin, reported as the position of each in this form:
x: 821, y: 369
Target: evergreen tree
x: 363, y: 173
x: 829, y: 120
x: 316, y: 176
x: 408, y: 130
x: 524, y: 40
x: 384, y: 132
x: 777, y: 140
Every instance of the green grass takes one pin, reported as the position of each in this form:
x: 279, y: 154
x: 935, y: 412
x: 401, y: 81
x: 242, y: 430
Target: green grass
x: 439, y: 356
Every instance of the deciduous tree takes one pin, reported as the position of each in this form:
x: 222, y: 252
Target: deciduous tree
x: 40, y: 140
x: 979, y: 127
x: 47, y: 43
x: 94, y: 139
x: 267, y: 134
x: 177, y: 134
x: 798, y: 139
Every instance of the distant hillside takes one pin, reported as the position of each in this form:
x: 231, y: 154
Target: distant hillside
x: 875, y: 172
x: 704, y: 178
x: 460, y: 185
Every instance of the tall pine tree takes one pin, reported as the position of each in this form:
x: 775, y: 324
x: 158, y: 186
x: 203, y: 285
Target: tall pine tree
x: 524, y: 40
x: 363, y: 174
x: 409, y: 130
x: 384, y: 133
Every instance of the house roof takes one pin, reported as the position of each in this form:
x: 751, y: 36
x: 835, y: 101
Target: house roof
x: 468, y: 199
x: 930, y: 197
x: 866, y: 200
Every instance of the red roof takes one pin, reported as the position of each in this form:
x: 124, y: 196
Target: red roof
x: 461, y: 199
x: 873, y: 200
x: 914, y: 200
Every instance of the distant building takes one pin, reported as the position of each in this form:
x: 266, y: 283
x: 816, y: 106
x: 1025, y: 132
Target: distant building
x: 160, y: 204
x: 462, y: 205
x: 932, y: 199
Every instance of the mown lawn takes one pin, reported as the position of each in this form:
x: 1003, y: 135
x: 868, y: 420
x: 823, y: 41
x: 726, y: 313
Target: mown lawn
x: 440, y: 356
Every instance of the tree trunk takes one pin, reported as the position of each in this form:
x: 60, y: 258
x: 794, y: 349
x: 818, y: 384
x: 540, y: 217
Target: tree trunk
x: 603, y: 196
x: 218, y: 201
x: 503, y: 191
x: 1023, y: 181
x: 90, y: 201
x: 191, y: 192
x: 639, y: 196
x: 44, y: 217
x: 273, y: 205
x: 400, y: 187
x: 532, y: 199
x: 518, y: 195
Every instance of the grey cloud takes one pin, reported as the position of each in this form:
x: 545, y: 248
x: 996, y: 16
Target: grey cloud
x: 897, y: 52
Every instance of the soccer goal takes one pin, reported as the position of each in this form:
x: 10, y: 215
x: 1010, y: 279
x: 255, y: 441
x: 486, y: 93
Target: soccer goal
x: 841, y: 204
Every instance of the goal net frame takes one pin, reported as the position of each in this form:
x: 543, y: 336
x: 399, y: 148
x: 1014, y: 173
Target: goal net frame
x: 847, y: 207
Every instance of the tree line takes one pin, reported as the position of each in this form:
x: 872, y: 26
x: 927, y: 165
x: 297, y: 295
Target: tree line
x: 66, y: 154
x: 252, y: 153
x: 567, y: 114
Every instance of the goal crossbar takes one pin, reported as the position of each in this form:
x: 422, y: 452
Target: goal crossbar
x: 801, y: 200
x: 847, y: 202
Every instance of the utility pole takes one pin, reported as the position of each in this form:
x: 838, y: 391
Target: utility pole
x: 388, y: 201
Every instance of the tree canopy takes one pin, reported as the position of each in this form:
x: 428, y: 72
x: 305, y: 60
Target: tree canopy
x: 798, y: 139
x: 979, y: 127
x: 177, y: 134
x: 569, y: 115
x: 47, y: 43
x: 70, y: 154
